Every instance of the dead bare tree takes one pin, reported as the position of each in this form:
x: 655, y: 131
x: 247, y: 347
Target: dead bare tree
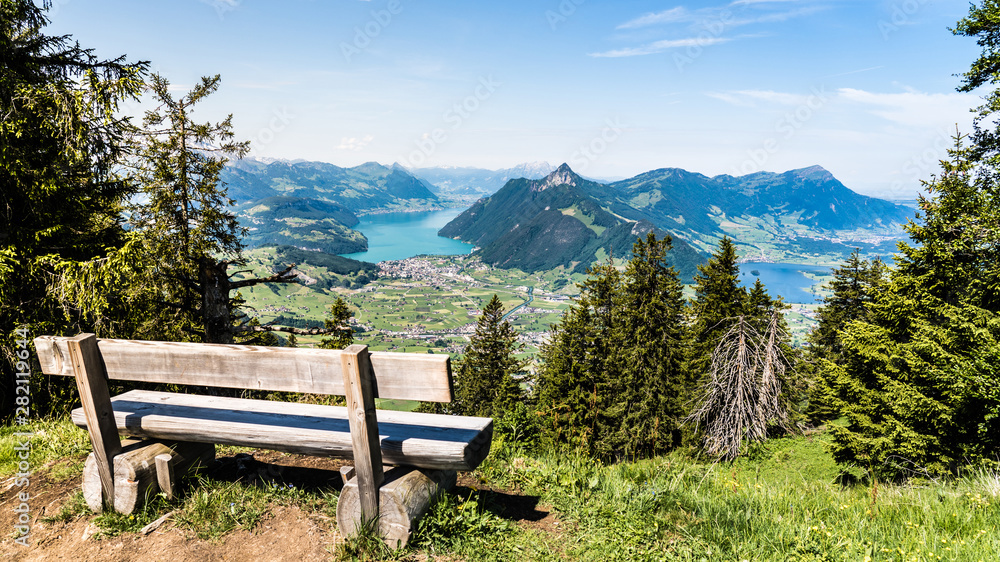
x: 743, y: 393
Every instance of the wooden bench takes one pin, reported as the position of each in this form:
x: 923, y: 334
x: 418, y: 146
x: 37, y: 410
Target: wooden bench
x: 427, y: 449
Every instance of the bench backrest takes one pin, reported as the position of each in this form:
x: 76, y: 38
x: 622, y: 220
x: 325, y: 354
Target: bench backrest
x: 405, y: 376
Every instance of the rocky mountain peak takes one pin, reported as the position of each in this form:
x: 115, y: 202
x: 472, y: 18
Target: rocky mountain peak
x: 563, y: 175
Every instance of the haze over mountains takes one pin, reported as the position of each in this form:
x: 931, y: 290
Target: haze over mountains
x: 458, y: 182
x: 560, y: 219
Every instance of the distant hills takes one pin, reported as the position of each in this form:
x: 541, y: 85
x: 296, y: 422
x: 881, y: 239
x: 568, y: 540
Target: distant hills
x: 564, y: 220
x: 362, y: 189
x: 310, y: 224
x: 315, y: 205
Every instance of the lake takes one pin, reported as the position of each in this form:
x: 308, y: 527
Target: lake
x: 397, y: 236
x: 784, y: 279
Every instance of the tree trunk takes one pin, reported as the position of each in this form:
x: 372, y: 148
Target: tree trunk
x: 214, y: 281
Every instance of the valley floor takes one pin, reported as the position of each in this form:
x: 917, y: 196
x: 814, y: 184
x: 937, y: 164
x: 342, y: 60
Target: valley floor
x: 431, y: 303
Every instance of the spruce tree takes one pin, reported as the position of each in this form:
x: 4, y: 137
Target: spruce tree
x: 575, y: 379
x: 650, y: 353
x: 719, y: 300
x: 611, y: 382
x: 63, y: 147
x: 854, y: 286
x: 917, y: 380
x: 487, y: 384
x: 190, y: 232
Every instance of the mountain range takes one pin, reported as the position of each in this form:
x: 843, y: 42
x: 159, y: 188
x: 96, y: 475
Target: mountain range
x: 460, y: 184
x: 565, y: 220
x: 560, y: 219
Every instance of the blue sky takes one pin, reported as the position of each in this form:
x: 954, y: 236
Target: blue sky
x: 865, y: 88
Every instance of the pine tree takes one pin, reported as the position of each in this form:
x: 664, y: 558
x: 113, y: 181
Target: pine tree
x: 338, y: 325
x: 917, y: 380
x: 190, y: 233
x: 719, y: 300
x: 62, y: 151
x: 487, y: 384
x: 611, y: 382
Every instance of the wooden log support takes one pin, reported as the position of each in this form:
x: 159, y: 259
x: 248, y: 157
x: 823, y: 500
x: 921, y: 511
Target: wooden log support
x: 404, y: 498
x: 358, y: 378
x: 135, y: 471
x: 165, y: 476
x: 92, y: 383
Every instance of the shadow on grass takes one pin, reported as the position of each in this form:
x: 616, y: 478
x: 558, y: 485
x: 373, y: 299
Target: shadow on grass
x: 512, y: 507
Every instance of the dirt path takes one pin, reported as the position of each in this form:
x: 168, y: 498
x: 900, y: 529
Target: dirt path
x: 287, y: 534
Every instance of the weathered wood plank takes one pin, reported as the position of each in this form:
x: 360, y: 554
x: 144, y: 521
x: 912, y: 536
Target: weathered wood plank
x: 406, y: 376
x: 92, y: 383
x: 357, y: 370
x: 407, y: 438
x: 165, y: 475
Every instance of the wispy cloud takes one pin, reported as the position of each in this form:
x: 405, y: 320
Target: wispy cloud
x: 355, y: 143
x: 672, y: 15
x: 660, y: 46
x: 718, y: 21
x: 910, y: 108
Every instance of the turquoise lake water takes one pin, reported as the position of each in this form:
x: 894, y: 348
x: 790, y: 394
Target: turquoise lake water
x: 397, y: 236
x: 784, y: 279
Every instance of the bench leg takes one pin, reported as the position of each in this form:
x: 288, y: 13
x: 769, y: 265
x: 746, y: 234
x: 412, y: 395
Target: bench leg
x: 358, y: 382
x: 92, y: 383
x: 135, y: 471
x: 404, y: 498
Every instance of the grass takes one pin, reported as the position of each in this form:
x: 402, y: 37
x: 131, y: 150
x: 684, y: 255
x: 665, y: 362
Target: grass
x: 783, y: 503
x: 56, y: 442
x: 786, y: 501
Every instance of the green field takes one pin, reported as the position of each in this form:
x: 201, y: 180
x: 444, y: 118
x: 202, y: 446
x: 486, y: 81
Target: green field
x: 433, y: 308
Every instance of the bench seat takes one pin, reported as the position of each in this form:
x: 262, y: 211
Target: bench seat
x: 407, y: 438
